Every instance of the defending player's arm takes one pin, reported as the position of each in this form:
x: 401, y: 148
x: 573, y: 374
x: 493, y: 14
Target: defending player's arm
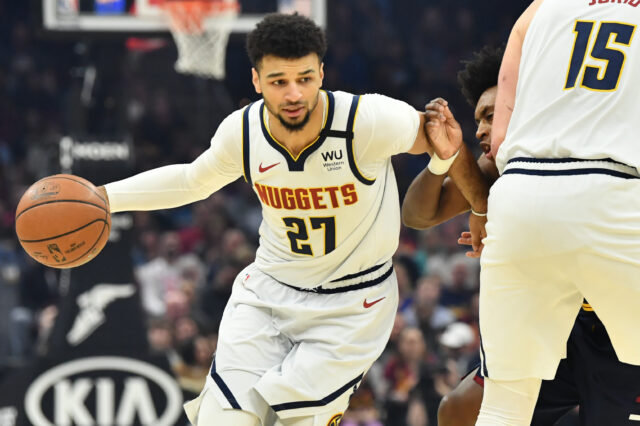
x: 442, y: 139
x: 443, y: 131
x: 508, y: 78
x: 180, y: 184
x: 432, y: 199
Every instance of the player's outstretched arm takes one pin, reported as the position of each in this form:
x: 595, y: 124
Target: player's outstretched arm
x: 179, y: 184
x: 165, y: 187
x: 442, y: 132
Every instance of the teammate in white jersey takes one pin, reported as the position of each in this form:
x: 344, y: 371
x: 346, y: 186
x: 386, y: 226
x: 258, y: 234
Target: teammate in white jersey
x: 307, y: 319
x: 591, y: 375
x: 564, y: 217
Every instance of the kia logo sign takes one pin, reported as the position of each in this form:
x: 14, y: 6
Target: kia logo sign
x: 117, y: 402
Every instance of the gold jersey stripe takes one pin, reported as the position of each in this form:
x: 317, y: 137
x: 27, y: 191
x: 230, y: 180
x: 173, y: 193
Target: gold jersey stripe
x: 587, y: 307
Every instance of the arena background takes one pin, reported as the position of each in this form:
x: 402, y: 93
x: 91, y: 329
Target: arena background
x: 124, y: 339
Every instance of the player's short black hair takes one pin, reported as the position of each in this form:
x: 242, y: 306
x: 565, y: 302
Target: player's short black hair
x: 480, y: 73
x: 285, y: 36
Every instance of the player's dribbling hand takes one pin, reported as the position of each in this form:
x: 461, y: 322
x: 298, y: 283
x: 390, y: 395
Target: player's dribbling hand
x: 443, y: 131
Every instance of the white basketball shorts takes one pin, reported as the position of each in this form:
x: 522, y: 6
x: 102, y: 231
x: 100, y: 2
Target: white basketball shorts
x: 558, y: 230
x: 283, y: 352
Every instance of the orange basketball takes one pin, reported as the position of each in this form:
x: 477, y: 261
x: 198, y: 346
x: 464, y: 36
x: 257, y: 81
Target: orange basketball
x: 63, y: 221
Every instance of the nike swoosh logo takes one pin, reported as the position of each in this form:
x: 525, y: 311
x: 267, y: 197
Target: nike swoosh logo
x: 368, y: 305
x: 264, y: 169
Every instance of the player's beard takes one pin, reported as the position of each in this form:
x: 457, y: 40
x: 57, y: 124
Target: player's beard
x: 294, y: 127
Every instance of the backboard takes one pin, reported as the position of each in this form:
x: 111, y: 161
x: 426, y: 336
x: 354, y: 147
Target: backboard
x: 144, y: 16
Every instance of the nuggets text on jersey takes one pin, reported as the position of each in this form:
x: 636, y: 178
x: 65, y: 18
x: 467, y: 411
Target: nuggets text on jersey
x: 307, y: 198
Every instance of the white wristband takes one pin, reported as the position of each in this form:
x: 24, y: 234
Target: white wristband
x: 438, y: 166
x: 478, y: 214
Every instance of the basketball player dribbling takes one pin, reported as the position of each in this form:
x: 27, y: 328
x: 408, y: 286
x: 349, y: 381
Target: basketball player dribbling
x: 307, y: 319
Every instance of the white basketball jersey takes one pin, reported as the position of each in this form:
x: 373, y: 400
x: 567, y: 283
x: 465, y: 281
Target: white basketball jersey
x: 333, y: 210
x: 578, y: 89
x: 328, y: 213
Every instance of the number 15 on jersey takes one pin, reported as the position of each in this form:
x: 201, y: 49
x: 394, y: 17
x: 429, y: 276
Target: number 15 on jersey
x: 605, y: 46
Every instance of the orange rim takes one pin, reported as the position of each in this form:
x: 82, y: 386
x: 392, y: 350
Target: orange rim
x: 188, y: 15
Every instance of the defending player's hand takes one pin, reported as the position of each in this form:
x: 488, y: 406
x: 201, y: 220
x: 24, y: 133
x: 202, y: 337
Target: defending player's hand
x: 467, y: 238
x: 478, y: 233
x: 443, y: 131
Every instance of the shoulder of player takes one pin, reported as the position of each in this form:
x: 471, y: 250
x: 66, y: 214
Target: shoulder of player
x: 366, y: 100
x: 234, y: 119
x: 384, y: 126
x: 523, y: 23
x: 233, y: 123
x: 228, y: 135
x: 378, y: 99
x: 373, y: 105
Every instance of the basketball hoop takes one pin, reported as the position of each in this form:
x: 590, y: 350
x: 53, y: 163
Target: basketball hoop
x: 201, y: 45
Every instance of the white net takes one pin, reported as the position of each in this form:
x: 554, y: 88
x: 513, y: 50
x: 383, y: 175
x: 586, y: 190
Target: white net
x: 201, y: 31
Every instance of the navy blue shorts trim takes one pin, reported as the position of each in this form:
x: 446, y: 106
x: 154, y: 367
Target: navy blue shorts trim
x: 359, y: 286
x: 358, y: 274
x: 321, y: 402
x: 569, y: 172
x: 546, y: 167
x: 223, y: 387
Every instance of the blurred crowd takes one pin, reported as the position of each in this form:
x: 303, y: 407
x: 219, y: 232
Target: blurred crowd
x: 186, y: 259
